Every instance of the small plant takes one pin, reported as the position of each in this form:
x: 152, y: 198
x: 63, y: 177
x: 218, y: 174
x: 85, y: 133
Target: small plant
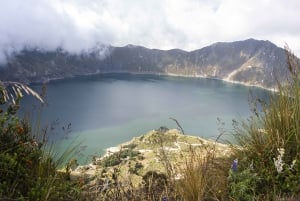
x: 242, y: 184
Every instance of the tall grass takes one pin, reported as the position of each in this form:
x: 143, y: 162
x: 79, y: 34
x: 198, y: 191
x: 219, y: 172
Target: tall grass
x: 270, y: 139
x: 204, y: 173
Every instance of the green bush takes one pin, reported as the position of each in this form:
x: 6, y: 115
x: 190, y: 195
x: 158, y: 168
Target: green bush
x: 111, y: 160
x: 130, y: 146
x: 27, y: 170
x: 136, y: 168
x: 128, y: 153
x: 243, y: 185
x: 116, y: 158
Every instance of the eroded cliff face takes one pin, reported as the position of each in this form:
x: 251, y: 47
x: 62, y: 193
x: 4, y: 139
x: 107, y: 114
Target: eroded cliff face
x: 250, y: 62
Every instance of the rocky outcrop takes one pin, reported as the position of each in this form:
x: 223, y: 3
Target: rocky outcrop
x: 156, y: 151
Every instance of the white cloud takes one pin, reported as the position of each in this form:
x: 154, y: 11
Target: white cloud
x: 187, y: 24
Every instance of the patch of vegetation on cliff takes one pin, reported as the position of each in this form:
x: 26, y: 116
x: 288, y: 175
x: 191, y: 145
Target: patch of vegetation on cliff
x: 116, y: 158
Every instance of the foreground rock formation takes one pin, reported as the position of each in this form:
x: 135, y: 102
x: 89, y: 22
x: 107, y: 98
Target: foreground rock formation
x: 163, y: 151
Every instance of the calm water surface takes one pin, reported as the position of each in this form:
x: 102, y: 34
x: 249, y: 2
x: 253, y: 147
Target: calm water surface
x: 105, y: 110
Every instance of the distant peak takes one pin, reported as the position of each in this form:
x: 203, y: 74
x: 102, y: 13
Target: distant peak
x: 245, y: 42
x: 133, y: 46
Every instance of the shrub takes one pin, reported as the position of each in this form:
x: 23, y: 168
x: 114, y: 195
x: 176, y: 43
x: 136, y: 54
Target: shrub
x: 27, y: 170
x: 111, y: 160
x: 130, y: 146
x: 136, y: 168
x: 128, y: 153
x: 242, y: 185
x: 154, y: 185
x: 116, y: 158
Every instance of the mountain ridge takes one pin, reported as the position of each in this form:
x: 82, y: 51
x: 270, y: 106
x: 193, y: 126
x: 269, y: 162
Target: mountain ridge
x: 250, y: 62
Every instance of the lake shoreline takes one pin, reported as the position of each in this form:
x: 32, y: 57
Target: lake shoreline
x: 155, y: 74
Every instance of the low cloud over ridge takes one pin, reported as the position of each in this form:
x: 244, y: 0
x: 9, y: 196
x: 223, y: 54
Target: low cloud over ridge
x: 77, y: 25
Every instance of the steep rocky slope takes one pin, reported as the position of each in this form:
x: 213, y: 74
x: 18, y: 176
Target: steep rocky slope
x: 251, y: 62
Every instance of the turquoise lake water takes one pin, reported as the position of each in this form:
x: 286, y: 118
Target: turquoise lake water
x: 102, y: 111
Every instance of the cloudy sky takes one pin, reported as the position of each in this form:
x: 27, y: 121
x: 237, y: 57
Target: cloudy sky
x: 187, y: 24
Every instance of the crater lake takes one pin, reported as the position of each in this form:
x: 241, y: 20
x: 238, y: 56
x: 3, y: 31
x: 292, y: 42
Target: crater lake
x: 105, y: 110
